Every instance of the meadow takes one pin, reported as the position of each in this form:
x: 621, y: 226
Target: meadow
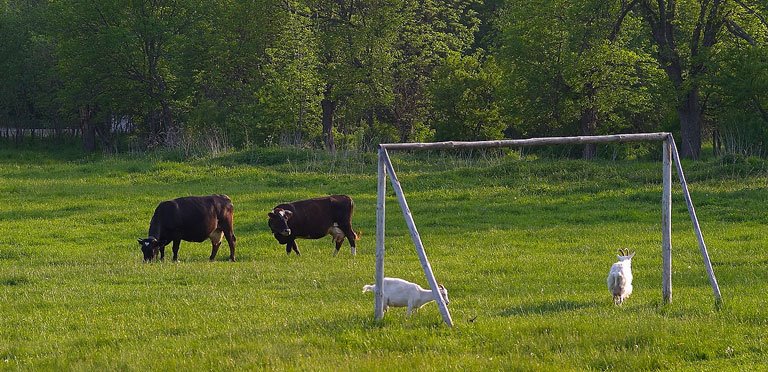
x: 523, y: 245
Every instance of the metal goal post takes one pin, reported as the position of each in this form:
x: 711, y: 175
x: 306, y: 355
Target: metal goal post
x: 670, y: 154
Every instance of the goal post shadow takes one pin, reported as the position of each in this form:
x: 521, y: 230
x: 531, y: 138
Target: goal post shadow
x: 670, y: 155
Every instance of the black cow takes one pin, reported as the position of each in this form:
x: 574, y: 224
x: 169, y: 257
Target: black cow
x: 194, y: 219
x: 314, y: 219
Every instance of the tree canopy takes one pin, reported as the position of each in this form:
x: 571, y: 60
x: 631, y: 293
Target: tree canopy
x: 353, y: 73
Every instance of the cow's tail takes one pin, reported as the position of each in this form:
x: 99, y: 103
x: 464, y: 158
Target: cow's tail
x: 369, y: 288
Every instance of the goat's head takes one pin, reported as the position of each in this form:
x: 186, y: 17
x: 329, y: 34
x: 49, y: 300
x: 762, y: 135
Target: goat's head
x: 443, y: 293
x: 278, y: 221
x: 625, y: 254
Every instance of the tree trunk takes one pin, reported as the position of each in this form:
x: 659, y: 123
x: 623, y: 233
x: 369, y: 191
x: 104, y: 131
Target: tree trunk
x: 717, y: 145
x: 167, y: 119
x: 153, y: 123
x: 87, y: 129
x: 329, y: 108
x: 588, y: 126
x: 664, y: 28
x: 103, y: 132
x: 160, y: 119
x: 689, y: 112
x: 406, y: 129
x: 588, y: 122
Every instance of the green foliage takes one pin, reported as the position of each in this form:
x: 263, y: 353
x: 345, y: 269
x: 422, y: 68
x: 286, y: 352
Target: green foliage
x: 464, y: 99
x: 742, y: 80
x: 260, y: 83
x: 433, y: 31
x: 292, y: 91
x: 137, y: 61
x: 275, y: 72
x: 75, y: 294
x: 27, y: 82
x: 560, y: 61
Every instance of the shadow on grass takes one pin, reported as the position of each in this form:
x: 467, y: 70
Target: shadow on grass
x: 364, y: 321
x: 14, y: 281
x: 547, y: 307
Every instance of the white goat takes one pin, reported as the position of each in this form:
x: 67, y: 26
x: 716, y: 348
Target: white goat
x: 399, y: 293
x: 620, y: 277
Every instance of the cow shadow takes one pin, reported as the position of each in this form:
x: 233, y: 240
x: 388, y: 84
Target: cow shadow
x: 547, y: 307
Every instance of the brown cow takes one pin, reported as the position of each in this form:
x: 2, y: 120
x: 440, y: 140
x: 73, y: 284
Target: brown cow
x: 191, y: 218
x: 314, y: 219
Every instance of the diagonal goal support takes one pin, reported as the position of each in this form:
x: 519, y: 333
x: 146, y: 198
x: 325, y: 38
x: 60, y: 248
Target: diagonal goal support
x: 416, y: 241
x: 696, y: 227
x: 670, y: 154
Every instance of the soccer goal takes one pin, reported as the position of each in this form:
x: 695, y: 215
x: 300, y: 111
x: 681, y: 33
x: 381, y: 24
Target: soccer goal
x: 670, y: 153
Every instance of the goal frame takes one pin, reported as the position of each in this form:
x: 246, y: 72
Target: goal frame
x: 669, y: 155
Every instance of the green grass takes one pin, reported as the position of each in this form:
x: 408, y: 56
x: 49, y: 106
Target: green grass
x: 522, y: 245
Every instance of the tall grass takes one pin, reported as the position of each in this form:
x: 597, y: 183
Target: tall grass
x: 522, y: 245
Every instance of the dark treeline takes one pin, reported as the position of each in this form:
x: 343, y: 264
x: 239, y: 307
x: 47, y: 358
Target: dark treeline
x: 348, y: 74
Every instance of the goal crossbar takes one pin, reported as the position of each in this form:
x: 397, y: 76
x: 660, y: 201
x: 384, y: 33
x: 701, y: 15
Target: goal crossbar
x: 670, y: 154
x: 542, y: 141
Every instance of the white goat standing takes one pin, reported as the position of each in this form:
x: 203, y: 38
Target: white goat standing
x: 620, y: 277
x: 399, y: 293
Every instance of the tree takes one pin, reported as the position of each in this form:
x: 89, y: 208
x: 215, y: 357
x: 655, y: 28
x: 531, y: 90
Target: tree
x: 256, y: 77
x: 433, y: 30
x: 134, y: 61
x: 686, y: 35
x: 28, y: 77
x: 736, y: 92
x: 355, y: 50
x: 293, y: 84
x: 464, y: 99
x: 568, y: 70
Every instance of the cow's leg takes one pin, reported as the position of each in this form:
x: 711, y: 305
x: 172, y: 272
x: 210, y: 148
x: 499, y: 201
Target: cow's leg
x: 231, y: 240
x: 161, y: 248
x: 176, y: 244
x: 214, y: 249
x: 295, y: 247
x: 338, y: 246
x: 347, y: 229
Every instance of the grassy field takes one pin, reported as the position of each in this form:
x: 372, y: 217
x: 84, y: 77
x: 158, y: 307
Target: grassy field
x: 522, y: 245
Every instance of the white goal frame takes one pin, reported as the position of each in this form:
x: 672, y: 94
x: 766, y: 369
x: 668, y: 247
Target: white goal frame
x: 670, y: 153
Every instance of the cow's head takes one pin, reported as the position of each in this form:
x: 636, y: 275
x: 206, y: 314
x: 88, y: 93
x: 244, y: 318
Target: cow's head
x: 278, y: 221
x: 150, y: 248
